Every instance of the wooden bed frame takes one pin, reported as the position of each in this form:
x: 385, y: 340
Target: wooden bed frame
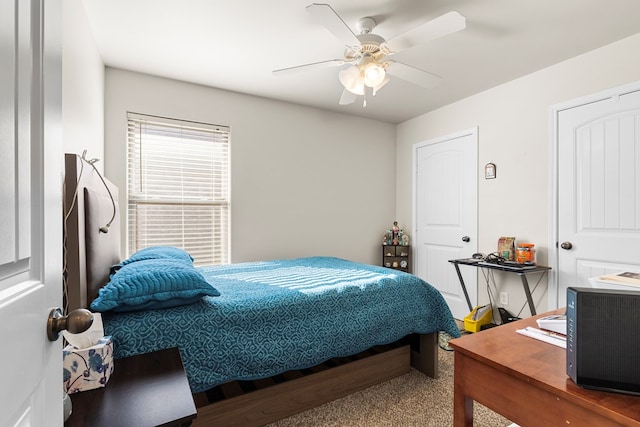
x: 88, y: 256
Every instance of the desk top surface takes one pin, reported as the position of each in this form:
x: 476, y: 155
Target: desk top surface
x: 537, y: 362
x: 494, y: 266
x: 145, y: 390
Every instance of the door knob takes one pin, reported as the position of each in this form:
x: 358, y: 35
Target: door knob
x: 466, y: 239
x: 75, y: 322
x: 566, y: 245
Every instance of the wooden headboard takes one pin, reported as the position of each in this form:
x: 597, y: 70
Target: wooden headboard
x: 88, y: 252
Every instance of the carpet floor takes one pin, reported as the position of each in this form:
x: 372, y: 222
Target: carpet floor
x: 410, y: 400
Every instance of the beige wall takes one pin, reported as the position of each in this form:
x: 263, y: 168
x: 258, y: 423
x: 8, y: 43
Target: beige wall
x: 514, y: 130
x: 304, y: 181
x: 307, y: 182
x: 82, y: 85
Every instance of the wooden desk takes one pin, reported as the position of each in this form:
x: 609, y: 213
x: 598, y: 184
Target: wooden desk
x: 146, y: 390
x: 525, y: 380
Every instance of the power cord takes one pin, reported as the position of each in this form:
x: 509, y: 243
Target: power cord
x: 489, y: 278
x: 103, y: 229
x: 65, y: 271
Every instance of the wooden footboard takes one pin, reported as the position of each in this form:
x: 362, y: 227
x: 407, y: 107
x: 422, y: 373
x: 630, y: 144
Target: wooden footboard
x: 297, y: 391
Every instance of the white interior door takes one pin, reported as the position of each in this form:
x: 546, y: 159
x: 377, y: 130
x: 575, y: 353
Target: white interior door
x: 598, y: 188
x: 446, y: 215
x: 30, y: 212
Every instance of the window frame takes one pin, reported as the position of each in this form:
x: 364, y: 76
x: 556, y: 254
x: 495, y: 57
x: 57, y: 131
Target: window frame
x: 184, y: 202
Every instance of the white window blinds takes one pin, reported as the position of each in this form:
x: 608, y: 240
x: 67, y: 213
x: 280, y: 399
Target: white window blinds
x: 178, y: 187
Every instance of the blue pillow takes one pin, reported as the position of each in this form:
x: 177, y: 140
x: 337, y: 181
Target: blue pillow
x: 159, y: 252
x: 151, y: 284
x: 155, y: 252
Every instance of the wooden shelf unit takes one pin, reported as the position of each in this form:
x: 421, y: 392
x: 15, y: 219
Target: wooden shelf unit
x: 397, y: 257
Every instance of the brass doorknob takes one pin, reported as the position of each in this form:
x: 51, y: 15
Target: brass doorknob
x: 75, y: 322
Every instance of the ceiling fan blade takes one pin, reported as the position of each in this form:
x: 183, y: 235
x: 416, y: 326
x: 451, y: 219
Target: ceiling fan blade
x: 413, y: 75
x: 438, y: 27
x: 326, y: 16
x: 308, y: 67
x: 347, y: 97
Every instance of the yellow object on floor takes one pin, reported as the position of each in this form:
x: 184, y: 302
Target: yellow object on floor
x: 481, y: 315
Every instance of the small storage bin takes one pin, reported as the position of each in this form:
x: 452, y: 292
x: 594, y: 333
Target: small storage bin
x: 471, y: 325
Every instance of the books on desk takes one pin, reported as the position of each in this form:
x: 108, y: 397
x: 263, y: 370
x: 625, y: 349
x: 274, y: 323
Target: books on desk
x: 554, y: 323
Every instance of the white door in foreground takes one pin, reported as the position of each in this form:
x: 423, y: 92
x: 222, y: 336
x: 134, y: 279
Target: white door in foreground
x: 30, y: 212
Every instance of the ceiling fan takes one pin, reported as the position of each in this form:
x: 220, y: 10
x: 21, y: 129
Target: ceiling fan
x: 367, y: 52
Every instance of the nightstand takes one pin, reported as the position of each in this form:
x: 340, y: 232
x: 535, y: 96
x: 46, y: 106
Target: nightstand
x: 145, y: 390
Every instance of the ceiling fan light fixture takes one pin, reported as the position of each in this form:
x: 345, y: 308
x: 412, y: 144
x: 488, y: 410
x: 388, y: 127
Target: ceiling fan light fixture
x: 374, y: 74
x: 366, y: 52
x: 352, y: 80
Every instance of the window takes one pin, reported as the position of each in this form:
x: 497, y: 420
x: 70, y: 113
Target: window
x: 178, y: 187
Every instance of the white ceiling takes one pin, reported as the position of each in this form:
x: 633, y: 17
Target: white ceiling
x: 236, y: 44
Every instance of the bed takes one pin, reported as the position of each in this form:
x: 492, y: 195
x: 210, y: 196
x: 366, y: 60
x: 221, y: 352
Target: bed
x: 301, y: 331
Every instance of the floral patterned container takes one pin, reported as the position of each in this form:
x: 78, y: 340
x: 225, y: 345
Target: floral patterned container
x: 87, y: 368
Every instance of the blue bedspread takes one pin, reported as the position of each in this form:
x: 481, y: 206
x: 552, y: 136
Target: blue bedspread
x: 275, y: 316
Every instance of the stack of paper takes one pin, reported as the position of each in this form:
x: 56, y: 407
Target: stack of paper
x: 549, y: 337
x: 625, y: 276
x: 480, y: 312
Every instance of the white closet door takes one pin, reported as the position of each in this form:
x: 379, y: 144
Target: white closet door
x: 598, y: 189
x: 446, y: 215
